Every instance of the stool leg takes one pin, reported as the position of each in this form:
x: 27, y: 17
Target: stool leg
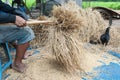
x: 9, y: 62
x: 7, y: 51
x: 0, y: 70
x: 0, y: 67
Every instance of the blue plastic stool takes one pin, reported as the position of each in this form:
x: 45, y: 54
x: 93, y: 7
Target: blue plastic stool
x: 3, y: 67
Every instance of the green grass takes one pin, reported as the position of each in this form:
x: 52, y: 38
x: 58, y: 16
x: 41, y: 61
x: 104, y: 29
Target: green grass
x: 112, y: 5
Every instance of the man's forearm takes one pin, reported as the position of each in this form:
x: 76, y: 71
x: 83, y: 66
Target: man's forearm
x: 7, y: 18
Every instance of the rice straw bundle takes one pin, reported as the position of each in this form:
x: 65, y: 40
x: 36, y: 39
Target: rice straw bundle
x: 63, y: 37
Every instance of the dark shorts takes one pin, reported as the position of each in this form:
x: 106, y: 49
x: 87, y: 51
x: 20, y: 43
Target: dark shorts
x: 12, y: 33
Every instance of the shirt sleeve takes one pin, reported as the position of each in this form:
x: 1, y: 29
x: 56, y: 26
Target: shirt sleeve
x: 7, y: 17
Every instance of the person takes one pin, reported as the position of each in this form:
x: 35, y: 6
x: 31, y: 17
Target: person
x: 18, y: 33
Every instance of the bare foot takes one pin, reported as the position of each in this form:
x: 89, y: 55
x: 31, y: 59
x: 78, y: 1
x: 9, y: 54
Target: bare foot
x: 20, y: 67
x: 27, y: 54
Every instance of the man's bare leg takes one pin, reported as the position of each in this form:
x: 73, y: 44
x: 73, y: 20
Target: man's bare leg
x: 20, y: 52
x: 26, y: 55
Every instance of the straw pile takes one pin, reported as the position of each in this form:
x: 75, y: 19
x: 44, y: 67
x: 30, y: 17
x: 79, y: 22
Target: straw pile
x: 93, y: 24
x: 41, y: 33
x: 115, y: 37
x: 93, y: 27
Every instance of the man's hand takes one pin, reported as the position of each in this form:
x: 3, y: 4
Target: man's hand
x: 20, y: 22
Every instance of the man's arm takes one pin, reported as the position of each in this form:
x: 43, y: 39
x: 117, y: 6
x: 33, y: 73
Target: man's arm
x: 7, y: 17
x: 11, y: 15
x: 10, y: 18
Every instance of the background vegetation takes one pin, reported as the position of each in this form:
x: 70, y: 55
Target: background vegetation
x: 113, y: 4
x: 88, y: 3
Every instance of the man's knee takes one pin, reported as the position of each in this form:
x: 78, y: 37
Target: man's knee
x: 29, y: 30
x: 28, y: 35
